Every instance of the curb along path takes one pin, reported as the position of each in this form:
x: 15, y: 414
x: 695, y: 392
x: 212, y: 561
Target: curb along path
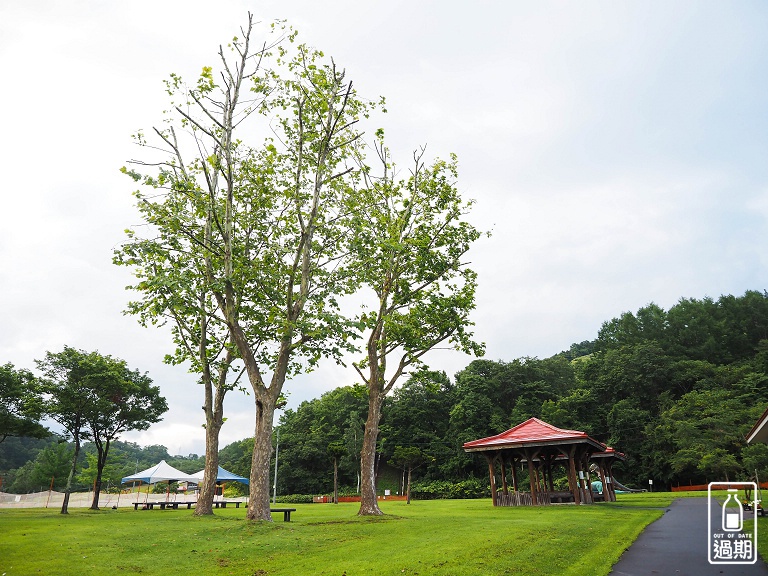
x: 676, y: 545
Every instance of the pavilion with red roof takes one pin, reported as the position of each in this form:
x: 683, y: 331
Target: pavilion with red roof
x: 542, y: 446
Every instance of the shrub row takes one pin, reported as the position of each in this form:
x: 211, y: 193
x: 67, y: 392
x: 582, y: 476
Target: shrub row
x: 295, y: 499
x: 430, y: 490
x: 444, y: 490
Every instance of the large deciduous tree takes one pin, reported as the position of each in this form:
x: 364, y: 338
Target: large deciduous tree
x: 247, y: 197
x: 409, y: 240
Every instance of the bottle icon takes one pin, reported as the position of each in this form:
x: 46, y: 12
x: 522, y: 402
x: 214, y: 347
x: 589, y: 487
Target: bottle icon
x: 733, y: 513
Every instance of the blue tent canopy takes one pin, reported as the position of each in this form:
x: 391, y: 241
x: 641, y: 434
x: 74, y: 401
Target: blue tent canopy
x: 223, y: 476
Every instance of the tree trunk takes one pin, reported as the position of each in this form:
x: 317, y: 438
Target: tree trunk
x: 204, y: 504
x: 258, y: 505
x: 101, y: 461
x: 408, y: 497
x: 214, y: 420
x: 369, y: 505
x: 335, y: 480
x: 68, y: 489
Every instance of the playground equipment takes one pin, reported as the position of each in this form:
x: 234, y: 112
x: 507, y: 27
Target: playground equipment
x: 597, y: 486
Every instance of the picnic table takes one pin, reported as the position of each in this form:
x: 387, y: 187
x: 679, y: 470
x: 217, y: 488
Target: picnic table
x: 175, y: 505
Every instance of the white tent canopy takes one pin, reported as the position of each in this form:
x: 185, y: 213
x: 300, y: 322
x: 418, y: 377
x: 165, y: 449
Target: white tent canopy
x: 162, y: 472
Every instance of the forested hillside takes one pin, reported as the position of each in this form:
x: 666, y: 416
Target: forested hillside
x: 676, y: 390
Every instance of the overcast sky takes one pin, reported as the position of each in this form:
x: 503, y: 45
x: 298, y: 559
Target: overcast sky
x: 617, y: 150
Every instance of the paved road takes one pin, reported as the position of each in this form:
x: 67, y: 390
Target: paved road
x: 676, y: 545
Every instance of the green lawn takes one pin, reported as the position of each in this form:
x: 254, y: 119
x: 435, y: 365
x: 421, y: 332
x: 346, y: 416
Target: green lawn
x: 448, y: 537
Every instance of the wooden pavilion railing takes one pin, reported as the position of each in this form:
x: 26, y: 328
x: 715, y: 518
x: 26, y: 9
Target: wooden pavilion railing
x: 524, y: 498
x: 513, y: 499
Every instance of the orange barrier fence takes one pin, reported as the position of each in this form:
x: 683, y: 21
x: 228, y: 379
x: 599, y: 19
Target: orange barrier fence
x: 698, y: 487
x: 327, y: 499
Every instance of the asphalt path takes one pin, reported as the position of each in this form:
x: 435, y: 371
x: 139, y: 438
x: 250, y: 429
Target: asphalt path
x: 677, y: 543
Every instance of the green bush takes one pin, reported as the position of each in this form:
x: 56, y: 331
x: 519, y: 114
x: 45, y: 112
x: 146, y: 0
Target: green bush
x: 295, y: 499
x: 162, y: 488
x: 444, y: 490
x: 235, y: 490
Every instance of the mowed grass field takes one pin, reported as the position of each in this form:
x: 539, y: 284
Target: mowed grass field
x: 446, y: 537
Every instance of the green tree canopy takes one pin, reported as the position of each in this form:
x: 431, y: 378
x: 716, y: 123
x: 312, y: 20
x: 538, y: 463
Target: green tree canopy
x: 126, y: 400
x: 95, y: 397
x: 19, y: 404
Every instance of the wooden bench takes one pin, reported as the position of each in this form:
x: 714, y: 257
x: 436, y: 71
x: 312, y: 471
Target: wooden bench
x: 286, y: 512
x: 560, y: 497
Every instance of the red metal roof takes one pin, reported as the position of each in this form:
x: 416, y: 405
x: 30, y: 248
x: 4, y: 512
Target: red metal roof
x: 610, y: 452
x: 531, y: 432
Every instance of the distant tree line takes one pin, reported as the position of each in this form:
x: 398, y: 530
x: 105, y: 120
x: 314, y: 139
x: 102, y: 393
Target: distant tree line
x: 27, y: 465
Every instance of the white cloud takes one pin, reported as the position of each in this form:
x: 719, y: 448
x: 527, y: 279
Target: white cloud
x: 617, y: 151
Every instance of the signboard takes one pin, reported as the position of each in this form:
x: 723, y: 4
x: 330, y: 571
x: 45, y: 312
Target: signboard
x: 732, y: 529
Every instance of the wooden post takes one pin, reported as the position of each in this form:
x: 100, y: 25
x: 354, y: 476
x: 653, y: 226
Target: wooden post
x: 541, y: 482
x: 548, y: 464
x: 601, y: 474
x: 514, y: 474
x: 504, y: 487
x: 50, y: 489
x: 573, y: 479
x: 609, y: 478
x: 584, y: 467
x: 532, y: 476
x: 580, y: 472
x: 492, y: 474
